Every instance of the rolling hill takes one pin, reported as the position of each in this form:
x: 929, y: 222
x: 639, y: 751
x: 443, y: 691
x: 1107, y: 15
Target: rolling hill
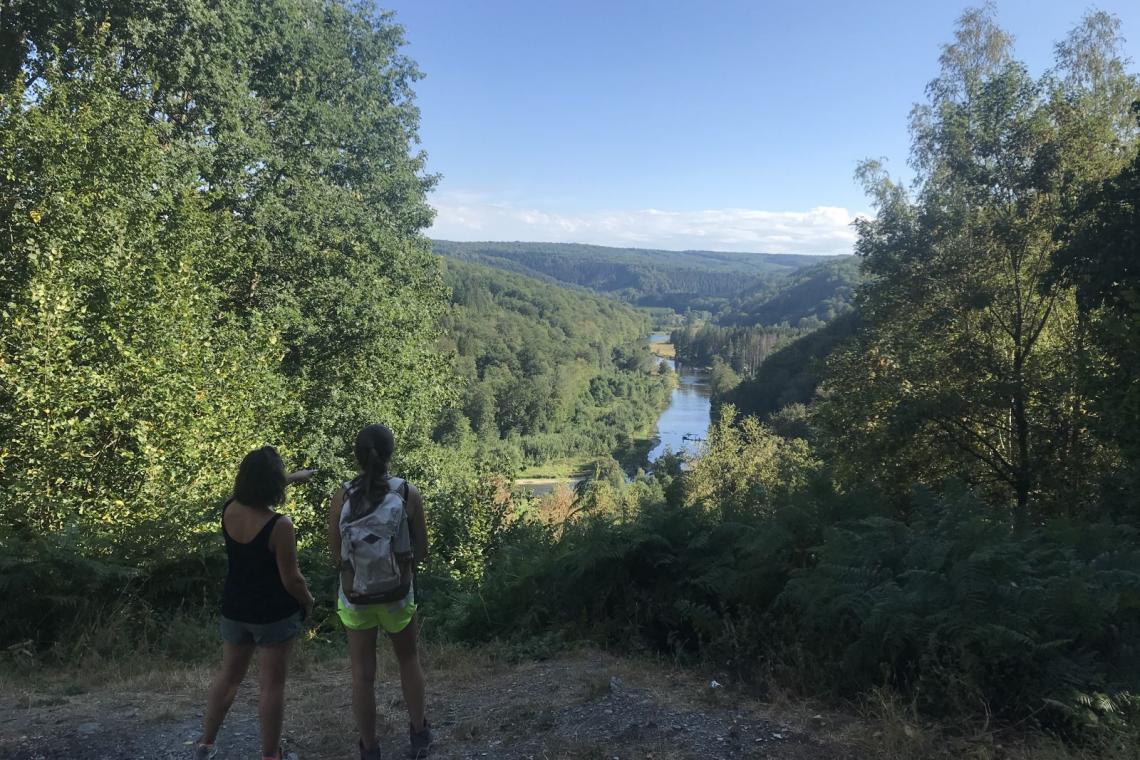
x: 679, y: 280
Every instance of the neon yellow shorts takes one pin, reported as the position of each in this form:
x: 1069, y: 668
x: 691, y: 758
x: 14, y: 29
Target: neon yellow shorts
x: 393, y: 617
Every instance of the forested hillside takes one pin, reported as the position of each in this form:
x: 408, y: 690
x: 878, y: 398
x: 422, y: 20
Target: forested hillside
x: 548, y: 373
x: 674, y: 279
x: 751, y: 303
x: 809, y: 297
x: 790, y: 375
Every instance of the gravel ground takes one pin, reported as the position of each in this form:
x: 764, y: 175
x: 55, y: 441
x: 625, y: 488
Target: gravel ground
x: 584, y: 705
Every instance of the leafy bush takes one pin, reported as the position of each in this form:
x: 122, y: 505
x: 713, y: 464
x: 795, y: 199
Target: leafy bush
x: 952, y: 605
x: 961, y: 608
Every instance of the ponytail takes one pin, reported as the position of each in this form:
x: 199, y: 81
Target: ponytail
x: 370, y: 486
x: 373, y: 448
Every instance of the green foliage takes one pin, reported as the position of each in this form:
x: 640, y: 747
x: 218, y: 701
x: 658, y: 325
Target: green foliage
x: 969, y: 360
x: 550, y: 372
x: 1097, y: 259
x: 126, y: 385
x: 49, y: 585
x: 679, y: 280
x: 722, y: 378
x: 743, y: 349
x: 959, y: 607
x: 953, y: 605
x: 791, y: 374
x: 746, y: 467
x: 211, y: 221
x: 809, y: 297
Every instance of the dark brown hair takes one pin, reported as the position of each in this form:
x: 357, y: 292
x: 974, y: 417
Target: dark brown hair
x: 373, y: 448
x: 260, y: 480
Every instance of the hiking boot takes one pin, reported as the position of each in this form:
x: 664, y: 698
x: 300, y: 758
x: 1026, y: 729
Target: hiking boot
x: 420, y: 741
x: 368, y: 754
x: 205, y: 751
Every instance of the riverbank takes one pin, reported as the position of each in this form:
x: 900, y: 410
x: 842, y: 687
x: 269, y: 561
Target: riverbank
x: 543, y: 478
x: 682, y: 426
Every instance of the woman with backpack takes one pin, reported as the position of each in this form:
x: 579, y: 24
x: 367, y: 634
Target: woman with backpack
x: 377, y: 535
x: 265, y: 600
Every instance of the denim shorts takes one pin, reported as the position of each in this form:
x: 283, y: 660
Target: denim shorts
x: 261, y: 634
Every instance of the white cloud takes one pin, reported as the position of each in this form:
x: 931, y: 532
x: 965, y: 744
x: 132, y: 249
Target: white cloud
x: 823, y: 229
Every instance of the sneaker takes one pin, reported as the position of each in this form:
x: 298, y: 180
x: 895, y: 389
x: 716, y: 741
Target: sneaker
x: 420, y: 742
x: 204, y: 751
x: 368, y: 754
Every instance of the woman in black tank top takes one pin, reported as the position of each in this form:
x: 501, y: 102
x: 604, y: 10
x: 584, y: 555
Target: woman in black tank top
x: 265, y: 598
x: 254, y: 591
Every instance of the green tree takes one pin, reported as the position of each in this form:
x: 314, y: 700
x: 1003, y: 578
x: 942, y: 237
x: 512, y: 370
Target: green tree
x: 127, y: 391
x: 969, y: 359
x: 281, y: 139
x: 722, y: 377
x: 1099, y: 260
x: 746, y: 469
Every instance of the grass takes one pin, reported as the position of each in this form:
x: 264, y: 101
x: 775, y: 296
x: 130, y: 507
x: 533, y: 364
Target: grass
x: 664, y: 350
x: 558, y: 469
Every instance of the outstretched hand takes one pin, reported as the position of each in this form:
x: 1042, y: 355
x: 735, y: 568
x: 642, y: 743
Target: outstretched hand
x: 300, y: 476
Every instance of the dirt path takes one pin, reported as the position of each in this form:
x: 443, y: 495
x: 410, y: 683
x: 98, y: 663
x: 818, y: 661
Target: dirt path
x: 582, y: 705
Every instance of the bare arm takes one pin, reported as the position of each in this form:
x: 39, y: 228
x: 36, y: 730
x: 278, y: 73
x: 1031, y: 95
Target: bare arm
x: 299, y: 476
x: 283, y: 541
x: 335, y: 505
x: 419, y: 524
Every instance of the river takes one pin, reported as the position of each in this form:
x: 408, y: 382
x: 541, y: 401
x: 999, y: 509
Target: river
x: 680, y: 428
x: 684, y: 424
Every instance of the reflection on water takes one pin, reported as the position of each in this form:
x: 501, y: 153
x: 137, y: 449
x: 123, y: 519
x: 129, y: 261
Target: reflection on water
x: 685, y: 422
x: 680, y: 428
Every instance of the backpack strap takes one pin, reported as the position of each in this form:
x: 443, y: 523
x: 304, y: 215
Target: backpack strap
x: 346, y: 504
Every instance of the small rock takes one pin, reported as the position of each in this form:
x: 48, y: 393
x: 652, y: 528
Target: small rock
x: 777, y: 736
x: 86, y: 729
x: 714, y: 685
x: 616, y: 683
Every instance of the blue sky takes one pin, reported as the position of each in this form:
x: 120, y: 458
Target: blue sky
x: 725, y: 124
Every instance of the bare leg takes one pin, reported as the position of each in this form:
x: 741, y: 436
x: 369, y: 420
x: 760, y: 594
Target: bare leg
x: 411, y: 674
x: 362, y: 657
x: 273, y: 665
x: 235, y: 661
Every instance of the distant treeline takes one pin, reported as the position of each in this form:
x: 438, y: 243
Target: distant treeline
x: 742, y: 332
x: 742, y: 348
x: 809, y: 297
x: 679, y: 280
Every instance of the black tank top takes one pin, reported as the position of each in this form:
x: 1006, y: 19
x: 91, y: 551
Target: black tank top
x: 254, y: 592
